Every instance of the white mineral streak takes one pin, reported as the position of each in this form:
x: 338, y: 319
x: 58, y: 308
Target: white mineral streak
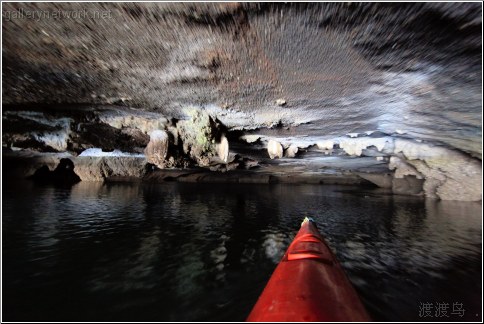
x: 281, y: 102
x: 250, y: 138
x: 325, y: 145
x: 355, y: 146
x: 291, y: 151
x: 99, y: 152
x: 274, y: 149
x: 223, y: 149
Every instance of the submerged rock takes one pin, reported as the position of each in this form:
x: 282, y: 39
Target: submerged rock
x: 63, y: 174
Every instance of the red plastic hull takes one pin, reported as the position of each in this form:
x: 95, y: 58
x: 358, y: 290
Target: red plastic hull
x: 308, y: 285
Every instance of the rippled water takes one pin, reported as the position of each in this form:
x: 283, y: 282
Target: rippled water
x: 203, y: 252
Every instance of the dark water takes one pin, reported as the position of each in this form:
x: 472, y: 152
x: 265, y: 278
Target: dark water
x: 203, y: 252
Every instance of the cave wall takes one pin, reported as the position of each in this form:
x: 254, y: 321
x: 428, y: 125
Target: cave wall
x: 298, y: 73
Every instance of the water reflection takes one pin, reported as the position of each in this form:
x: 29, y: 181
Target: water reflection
x: 275, y: 245
x: 203, y: 252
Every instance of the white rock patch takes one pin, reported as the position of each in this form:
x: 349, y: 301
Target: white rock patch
x: 223, y: 149
x: 99, y: 152
x: 274, y: 149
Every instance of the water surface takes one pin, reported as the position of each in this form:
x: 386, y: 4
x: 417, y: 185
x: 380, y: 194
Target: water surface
x: 204, y: 252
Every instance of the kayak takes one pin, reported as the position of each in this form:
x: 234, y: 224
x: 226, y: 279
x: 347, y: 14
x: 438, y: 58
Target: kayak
x: 308, y: 285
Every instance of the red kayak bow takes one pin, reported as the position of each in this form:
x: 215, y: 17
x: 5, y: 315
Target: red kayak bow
x: 308, y: 285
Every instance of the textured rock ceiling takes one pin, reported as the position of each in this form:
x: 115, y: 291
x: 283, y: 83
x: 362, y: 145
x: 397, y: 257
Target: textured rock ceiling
x: 345, y: 67
x: 300, y: 73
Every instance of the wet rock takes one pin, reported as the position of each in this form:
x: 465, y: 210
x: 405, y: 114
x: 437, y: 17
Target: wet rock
x: 63, y: 174
x: 43, y: 174
x: 448, y: 174
x: 88, y: 168
x: 25, y: 163
x: 157, y: 148
x: 274, y: 149
x: 101, y: 168
x: 381, y: 180
x: 408, y: 185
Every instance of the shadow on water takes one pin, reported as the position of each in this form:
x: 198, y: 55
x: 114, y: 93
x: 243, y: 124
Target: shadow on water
x: 204, y: 252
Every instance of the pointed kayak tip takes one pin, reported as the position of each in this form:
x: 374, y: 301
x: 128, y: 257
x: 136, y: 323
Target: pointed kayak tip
x: 307, y: 219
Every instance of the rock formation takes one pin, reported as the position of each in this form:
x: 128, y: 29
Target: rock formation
x: 199, y: 136
x: 329, y: 86
x: 157, y: 148
x: 274, y: 149
x: 223, y: 149
x: 448, y: 174
x: 291, y: 151
x: 102, y: 168
x: 63, y: 174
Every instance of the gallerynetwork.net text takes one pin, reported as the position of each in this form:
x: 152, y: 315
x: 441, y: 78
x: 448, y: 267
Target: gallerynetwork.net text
x: 37, y: 15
